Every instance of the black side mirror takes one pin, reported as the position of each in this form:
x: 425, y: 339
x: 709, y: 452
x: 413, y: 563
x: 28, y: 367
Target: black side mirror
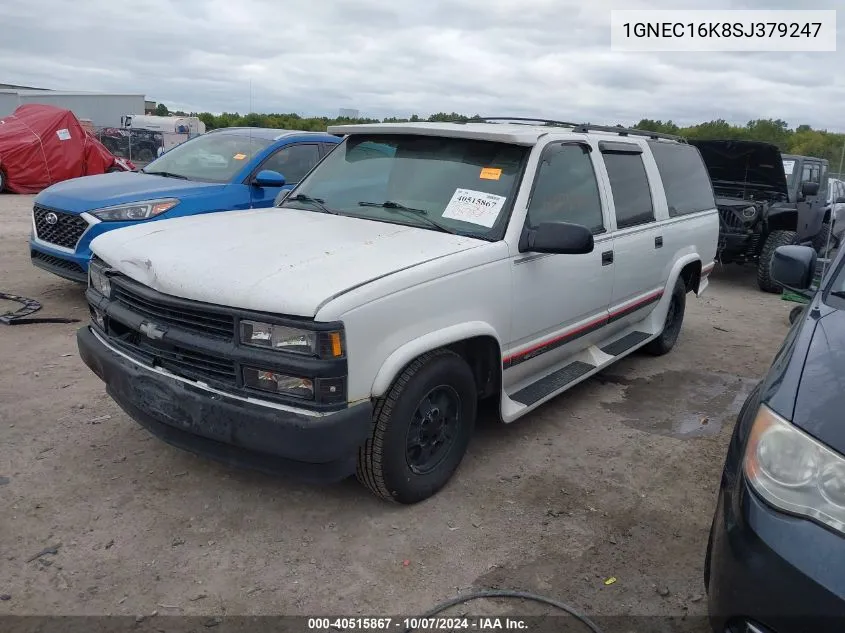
x: 840, y: 200
x: 809, y: 188
x: 793, y: 266
x: 561, y: 238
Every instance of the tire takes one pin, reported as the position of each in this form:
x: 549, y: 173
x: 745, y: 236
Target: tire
x: 764, y: 265
x: 2, y: 181
x: 820, y: 241
x: 390, y: 464
x: 145, y: 155
x: 664, y: 343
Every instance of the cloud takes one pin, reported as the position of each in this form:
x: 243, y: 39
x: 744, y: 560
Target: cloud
x: 548, y: 58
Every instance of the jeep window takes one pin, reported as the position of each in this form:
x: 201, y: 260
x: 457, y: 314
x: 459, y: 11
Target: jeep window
x: 293, y: 161
x: 465, y: 185
x: 685, y: 178
x: 811, y: 173
x: 215, y: 157
x: 630, y: 188
x: 566, y: 189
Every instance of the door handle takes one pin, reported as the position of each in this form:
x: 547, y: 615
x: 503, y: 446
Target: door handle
x: 606, y: 258
x: 658, y: 241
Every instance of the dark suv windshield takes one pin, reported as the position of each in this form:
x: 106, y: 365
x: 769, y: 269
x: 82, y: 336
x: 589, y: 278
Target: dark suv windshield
x: 464, y: 185
x: 213, y: 157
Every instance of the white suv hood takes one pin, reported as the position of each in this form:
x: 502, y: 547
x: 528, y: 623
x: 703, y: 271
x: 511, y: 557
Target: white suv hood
x: 286, y: 261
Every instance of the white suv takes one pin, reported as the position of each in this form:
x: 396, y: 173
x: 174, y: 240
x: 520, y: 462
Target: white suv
x: 418, y: 269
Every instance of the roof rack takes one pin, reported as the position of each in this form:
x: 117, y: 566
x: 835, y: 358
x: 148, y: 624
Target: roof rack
x: 626, y: 131
x: 578, y: 127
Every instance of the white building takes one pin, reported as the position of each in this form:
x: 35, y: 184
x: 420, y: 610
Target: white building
x: 102, y: 109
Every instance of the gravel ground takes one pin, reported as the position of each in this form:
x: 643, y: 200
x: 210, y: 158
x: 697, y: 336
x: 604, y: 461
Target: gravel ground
x: 615, y: 479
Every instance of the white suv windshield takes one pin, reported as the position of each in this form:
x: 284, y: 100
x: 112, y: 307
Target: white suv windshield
x: 459, y: 185
x: 214, y: 157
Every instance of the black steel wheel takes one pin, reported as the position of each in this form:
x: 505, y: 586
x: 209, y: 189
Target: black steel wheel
x: 421, y: 429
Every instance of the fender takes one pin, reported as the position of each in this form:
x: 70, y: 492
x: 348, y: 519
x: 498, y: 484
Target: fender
x: 658, y: 315
x: 401, y: 357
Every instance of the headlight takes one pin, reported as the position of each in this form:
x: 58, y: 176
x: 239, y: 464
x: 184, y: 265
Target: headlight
x: 135, y: 210
x: 97, y: 278
x: 749, y: 213
x: 795, y: 473
x: 290, y: 339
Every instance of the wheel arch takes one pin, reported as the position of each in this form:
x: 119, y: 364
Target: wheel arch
x: 477, y: 342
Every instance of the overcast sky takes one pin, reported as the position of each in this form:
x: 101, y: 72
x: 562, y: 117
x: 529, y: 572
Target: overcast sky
x: 547, y: 58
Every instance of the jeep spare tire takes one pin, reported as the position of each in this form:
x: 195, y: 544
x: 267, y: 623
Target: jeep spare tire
x: 764, y: 264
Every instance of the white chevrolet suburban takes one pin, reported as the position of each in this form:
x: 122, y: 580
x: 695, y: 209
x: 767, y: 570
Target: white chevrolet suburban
x: 418, y: 269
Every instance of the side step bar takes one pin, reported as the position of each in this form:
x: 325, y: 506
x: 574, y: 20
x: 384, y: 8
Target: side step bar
x: 557, y: 380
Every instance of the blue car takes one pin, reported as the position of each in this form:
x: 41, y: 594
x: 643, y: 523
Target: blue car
x: 229, y: 168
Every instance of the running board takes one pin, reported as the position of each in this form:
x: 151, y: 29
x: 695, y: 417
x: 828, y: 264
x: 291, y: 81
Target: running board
x: 555, y: 381
x: 625, y: 343
x: 558, y: 380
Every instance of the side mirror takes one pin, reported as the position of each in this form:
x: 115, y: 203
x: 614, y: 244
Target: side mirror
x: 809, y: 188
x: 793, y: 266
x: 561, y: 238
x: 268, y: 178
x: 840, y: 200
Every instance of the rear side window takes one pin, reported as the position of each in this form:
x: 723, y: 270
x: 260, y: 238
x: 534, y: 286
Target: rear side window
x: 685, y: 179
x: 629, y: 185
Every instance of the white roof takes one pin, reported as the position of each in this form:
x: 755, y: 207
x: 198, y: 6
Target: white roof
x: 516, y: 133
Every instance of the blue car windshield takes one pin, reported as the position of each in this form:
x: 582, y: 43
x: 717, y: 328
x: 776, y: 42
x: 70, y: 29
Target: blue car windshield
x: 208, y: 158
x: 459, y: 185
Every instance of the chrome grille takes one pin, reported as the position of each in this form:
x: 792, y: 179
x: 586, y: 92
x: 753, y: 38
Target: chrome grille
x: 57, y: 227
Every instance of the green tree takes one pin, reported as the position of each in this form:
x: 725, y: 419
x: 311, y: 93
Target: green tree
x: 161, y: 110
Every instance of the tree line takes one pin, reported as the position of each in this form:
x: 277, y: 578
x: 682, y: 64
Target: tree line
x: 802, y: 140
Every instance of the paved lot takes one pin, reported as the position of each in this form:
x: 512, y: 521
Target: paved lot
x: 617, y: 478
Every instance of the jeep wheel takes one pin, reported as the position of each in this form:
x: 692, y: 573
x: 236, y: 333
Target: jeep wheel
x: 825, y: 242
x: 664, y: 343
x: 764, y: 265
x: 421, y: 429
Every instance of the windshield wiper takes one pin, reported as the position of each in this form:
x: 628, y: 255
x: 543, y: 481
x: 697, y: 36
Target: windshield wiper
x: 166, y: 174
x: 840, y: 294
x: 396, y: 207
x: 317, y: 202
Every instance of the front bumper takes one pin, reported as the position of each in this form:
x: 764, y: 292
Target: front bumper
x: 59, y: 263
x: 782, y: 573
x: 236, y: 431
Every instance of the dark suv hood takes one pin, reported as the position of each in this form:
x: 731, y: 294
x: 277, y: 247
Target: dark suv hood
x: 821, y: 395
x: 749, y: 164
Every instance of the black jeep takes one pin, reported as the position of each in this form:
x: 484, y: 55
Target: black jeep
x: 757, y: 211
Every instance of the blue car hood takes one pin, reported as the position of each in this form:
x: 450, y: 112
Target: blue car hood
x: 104, y: 190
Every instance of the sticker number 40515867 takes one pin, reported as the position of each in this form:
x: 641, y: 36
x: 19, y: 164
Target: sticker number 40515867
x: 476, y: 207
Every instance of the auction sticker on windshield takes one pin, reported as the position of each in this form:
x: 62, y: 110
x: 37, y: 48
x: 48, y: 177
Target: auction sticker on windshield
x: 788, y: 166
x: 475, y: 207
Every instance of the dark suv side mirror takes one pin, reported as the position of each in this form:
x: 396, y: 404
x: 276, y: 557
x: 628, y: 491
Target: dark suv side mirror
x: 793, y: 266
x: 561, y: 238
x: 809, y: 188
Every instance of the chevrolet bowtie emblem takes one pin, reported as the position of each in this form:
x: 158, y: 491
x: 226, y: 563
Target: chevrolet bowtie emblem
x: 151, y: 330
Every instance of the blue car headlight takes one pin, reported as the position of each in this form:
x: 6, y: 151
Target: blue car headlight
x: 143, y: 210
